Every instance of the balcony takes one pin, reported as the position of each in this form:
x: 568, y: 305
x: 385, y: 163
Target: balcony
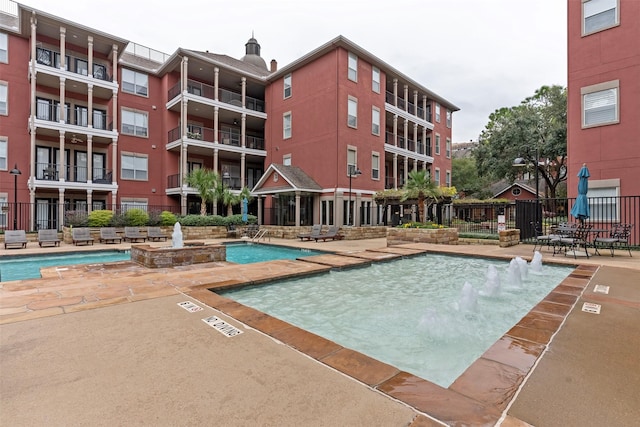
x: 411, y: 108
x: 51, y: 172
x: 50, y: 110
x: 208, y: 91
x: 73, y: 64
x: 198, y: 133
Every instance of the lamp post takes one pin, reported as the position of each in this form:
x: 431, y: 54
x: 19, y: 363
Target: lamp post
x: 523, y: 162
x: 15, y: 172
x: 352, y: 171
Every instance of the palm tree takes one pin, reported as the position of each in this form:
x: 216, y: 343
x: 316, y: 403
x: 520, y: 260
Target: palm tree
x: 206, y: 181
x: 419, y: 186
x: 230, y: 199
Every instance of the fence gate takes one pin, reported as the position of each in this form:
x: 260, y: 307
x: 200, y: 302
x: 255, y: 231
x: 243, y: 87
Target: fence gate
x: 526, y: 217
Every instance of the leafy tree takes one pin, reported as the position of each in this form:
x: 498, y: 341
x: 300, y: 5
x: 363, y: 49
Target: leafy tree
x: 464, y: 176
x: 207, y: 182
x: 230, y: 199
x: 536, y: 127
x: 419, y: 186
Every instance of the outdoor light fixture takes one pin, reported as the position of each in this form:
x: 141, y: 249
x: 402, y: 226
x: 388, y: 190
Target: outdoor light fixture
x: 353, y: 171
x: 15, y: 172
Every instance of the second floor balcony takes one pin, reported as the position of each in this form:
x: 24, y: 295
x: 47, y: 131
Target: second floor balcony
x: 224, y: 95
x: 51, y: 111
x: 55, y: 172
x: 199, y: 133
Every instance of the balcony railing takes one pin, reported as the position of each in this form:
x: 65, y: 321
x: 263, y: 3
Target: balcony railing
x: 74, y: 64
x: 51, y: 172
x: 224, y: 137
x: 224, y: 95
x: 49, y: 110
x: 411, y: 108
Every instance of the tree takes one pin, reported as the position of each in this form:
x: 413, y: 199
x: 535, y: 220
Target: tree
x: 206, y: 182
x: 419, y: 186
x: 230, y: 199
x: 537, y: 126
x: 464, y: 176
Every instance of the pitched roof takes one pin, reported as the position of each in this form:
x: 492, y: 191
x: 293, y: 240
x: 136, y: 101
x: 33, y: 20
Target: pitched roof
x: 288, y: 179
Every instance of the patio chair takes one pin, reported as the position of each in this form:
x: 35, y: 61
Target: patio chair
x: 232, y: 230
x: 133, y: 234
x: 109, y: 235
x: 332, y: 233
x: 81, y: 235
x: 155, y: 234
x: 618, y: 237
x: 48, y: 237
x: 15, y: 239
x: 316, y: 231
x: 543, y: 239
x: 580, y: 237
x: 252, y: 230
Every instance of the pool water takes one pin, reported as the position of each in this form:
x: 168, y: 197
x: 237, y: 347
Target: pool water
x: 28, y: 267
x: 246, y: 253
x: 412, y: 313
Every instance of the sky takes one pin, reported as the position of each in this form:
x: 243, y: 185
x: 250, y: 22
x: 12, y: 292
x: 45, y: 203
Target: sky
x: 481, y: 55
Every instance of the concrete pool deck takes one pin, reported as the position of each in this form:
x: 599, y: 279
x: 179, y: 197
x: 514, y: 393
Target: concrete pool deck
x: 151, y: 362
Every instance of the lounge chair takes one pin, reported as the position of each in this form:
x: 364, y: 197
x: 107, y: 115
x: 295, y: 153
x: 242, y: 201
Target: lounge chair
x: 316, y: 231
x: 109, y: 235
x: 332, y: 233
x: 15, y: 239
x: 81, y: 235
x: 155, y: 234
x: 133, y: 234
x: 48, y: 237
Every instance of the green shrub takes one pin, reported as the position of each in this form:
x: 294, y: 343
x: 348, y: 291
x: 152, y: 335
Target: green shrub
x: 76, y: 219
x: 100, y: 218
x: 202, y: 221
x: 136, y: 218
x: 167, y: 218
x: 118, y: 220
x: 237, y: 219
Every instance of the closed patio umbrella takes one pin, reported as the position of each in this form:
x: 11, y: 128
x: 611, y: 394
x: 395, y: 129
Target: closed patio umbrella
x: 245, y: 209
x: 580, y: 209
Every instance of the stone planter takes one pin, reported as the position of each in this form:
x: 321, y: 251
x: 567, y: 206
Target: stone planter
x: 401, y: 236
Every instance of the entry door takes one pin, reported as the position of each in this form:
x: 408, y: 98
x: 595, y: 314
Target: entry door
x: 81, y: 166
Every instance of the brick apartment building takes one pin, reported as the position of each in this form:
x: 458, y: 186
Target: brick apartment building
x: 93, y: 121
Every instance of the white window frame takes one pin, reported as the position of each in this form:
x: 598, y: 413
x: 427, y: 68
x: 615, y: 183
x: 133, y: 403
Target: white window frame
x: 375, y: 79
x: 4, y: 98
x: 447, y: 148
x: 600, y: 96
x: 592, y: 9
x: 138, y: 160
x: 287, y: 125
x: 375, y: 121
x: 131, y: 203
x: 437, y: 112
x: 286, y: 160
x: 436, y: 177
x: 352, y: 72
x: 287, y: 89
x: 437, y: 145
x: 352, y: 112
x: 607, y: 209
x: 447, y: 178
x: 4, y: 48
x: 375, y: 166
x: 4, y: 154
x: 352, y: 158
x: 140, y: 125
x: 448, y: 115
x: 135, y: 82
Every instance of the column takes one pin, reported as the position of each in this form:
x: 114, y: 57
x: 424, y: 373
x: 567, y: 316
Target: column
x: 260, y: 210
x: 62, y: 113
x: 216, y: 126
x: 243, y: 165
x: 415, y: 137
x: 114, y: 66
x: 356, y: 209
x: 89, y: 200
x: 406, y: 98
x: 297, y: 209
x: 338, y: 216
x: 405, y: 133
x: 395, y: 171
x: 90, y: 56
x: 89, y: 158
x: 243, y: 82
x: 216, y: 83
x: 63, y: 58
x: 424, y: 107
x: 60, y: 203
x: 395, y: 92
x: 395, y: 130
x: 406, y: 169
x: 415, y: 102
x: 62, y: 167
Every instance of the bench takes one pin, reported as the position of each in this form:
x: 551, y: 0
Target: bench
x: 15, y: 239
x: 48, y: 237
x: 82, y: 236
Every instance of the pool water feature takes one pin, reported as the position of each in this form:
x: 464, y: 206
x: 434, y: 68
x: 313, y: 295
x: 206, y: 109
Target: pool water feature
x: 28, y: 267
x: 430, y: 315
x: 247, y: 253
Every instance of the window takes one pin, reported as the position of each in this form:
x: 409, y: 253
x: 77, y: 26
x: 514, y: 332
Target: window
x: 447, y: 178
x: 447, y: 148
x: 82, y: 67
x: 600, y: 104
x: 375, y: 121
x: 134, y: 166
x: 286, y: 125
x: 126, y: 204
x: 352, y: 112
x: 352, y: 156
x: 287, y: 86
x: 4, y: 48
x: 3, y: 155
x: 286, y: 160
x: 375, y: 79
x: 516, y: 191
x: 353, y: 67
x: 428, y: 146
x: 603, y: 200
x: 99, y: 119
x: 99, y: 72
x: 134, y: 82
x: 599, y: 15
x: 448, y: 118
x: 375, y: 166
x: 437, y: 112
x: 82, y: 116
x: 134, y: 122
x: 437, y: 145
x: 4, y: 208
x: 436, y: 178
x: 4, y: 98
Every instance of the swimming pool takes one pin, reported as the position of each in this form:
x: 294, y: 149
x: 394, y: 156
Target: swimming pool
x: 28, y: 267
x: 430, y: 315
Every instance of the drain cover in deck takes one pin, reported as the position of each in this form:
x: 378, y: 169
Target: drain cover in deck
x: 589, y: 307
